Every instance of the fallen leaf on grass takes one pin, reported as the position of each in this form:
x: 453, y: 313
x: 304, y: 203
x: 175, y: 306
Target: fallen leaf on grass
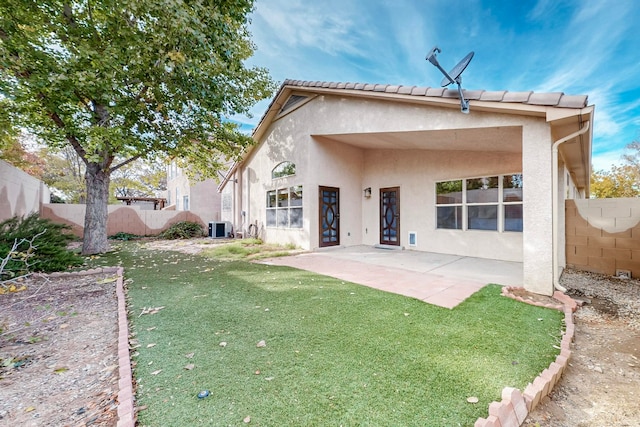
x: 156, y: 372
x: 190, y: 366
x: 60, y: 370
x: 30, y: 409
x: 247, y: 419
x: 223, y: 344
x: 107, y: 280
x: 151, y: 328
x: 189, y: 355
x: 472, y: 399
x: 150, y: 310
x: 151, y: 345
x: 261, y: 343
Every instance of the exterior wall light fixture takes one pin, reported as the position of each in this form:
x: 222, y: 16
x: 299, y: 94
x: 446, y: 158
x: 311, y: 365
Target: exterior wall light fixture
x: 367, y: 192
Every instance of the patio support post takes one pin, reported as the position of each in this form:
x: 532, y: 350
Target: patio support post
x: 537, y: 241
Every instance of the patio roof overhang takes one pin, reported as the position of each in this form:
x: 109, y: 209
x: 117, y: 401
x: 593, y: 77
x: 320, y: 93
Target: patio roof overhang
x: 496, y: 139
x: 559, y: 110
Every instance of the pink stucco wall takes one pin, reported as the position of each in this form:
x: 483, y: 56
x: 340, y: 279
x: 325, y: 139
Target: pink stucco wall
x: 20, y: 193
x: 126, y: 219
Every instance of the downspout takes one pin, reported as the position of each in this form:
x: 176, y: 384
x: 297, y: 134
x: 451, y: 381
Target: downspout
x: 554, y: 204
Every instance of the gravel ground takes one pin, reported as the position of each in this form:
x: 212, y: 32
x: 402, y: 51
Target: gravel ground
x: 604, y: 296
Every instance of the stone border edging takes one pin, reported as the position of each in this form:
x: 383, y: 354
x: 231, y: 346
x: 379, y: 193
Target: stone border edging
x: 126, y: 413
x: 515, y: 405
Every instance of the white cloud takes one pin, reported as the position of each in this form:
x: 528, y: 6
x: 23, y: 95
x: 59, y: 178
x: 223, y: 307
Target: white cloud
x: 304, y: 25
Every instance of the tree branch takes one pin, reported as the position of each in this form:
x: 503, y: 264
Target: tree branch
x: 126, y: 162
x: 71, y: 138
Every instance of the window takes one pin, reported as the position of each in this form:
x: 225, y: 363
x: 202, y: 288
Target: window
x: 487, y: 203
x: 284, y: 207
x: 449, y: 204
x: 185, y: 203
x: 283, y: 169
x: 482, y: 203
x: 512, y: 202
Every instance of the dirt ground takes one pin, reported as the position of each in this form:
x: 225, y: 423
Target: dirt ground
x: 58, y: 352
x: 58, y: 355
x: 601, y: 386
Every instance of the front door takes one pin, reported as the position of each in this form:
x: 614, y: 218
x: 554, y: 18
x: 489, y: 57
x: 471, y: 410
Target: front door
x: 390, y: 216
x: 329, y: 216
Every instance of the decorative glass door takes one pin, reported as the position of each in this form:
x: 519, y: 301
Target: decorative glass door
x: 329, y: 216
x: 390, y: 216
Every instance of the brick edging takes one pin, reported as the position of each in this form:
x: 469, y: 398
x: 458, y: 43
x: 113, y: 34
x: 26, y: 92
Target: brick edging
x: 126, y: 413
x: 515, y: 405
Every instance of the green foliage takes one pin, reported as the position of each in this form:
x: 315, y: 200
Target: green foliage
x: 127, y: 80
x: 49, y: 252
x: 620, y: 181
x: 182, y: 230
x: 121, y: 235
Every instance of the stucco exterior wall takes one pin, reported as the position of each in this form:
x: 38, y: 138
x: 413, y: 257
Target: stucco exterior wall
x: 126, y: 219
x: 537, y: 250
x: 603, y: 235
x: 204, y: 200
x: 305, y: 136
x: 20, y: 193
x: 416, y: 173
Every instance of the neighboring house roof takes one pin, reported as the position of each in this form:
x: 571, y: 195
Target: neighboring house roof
x: 554, y: 106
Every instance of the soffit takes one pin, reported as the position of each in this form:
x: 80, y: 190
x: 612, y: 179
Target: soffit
x: 503, y: 139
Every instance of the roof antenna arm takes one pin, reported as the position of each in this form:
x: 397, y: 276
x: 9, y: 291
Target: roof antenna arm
x: 453, y: 76
x: 431, y: 57
x: 464, y: 103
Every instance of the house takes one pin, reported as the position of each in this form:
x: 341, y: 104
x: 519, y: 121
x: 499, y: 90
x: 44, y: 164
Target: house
x: 401, y: 167
x: 201, y: 198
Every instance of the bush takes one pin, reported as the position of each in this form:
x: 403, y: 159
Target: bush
x: 121, y: 235
x: 42, y: 246
x: 182, y: 230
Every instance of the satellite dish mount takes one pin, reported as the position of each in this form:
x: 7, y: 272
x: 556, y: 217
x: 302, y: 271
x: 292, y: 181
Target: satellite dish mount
x: 453, y: 76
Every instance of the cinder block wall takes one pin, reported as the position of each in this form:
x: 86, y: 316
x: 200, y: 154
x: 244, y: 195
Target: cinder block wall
x: 603, y: 235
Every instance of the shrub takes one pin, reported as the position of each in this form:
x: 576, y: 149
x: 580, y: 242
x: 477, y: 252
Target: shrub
x: 182, y: 230
x: 121, y: 235
x: 42, y: 246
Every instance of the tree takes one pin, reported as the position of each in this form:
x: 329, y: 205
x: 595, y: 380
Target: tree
x: 139, y: 179
x: 65, y: 172
x: 12, y: 151
x: 130, y: 79
x: 620, y: 181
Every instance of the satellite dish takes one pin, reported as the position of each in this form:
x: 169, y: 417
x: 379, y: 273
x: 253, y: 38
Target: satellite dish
x: 453, y: 76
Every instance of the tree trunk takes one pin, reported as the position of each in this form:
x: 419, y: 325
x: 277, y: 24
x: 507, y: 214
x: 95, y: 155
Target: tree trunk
x: 95, y: 219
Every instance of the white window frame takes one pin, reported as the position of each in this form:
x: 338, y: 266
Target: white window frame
x: 284, y: 212
x: 464, y: 204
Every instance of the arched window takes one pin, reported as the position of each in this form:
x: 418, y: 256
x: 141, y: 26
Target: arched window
x: 283, y: 169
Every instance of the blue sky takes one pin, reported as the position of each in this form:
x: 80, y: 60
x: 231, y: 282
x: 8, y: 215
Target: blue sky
x: 581, y: 47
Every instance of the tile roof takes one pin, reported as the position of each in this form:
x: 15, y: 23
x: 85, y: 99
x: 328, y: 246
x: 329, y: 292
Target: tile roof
x: 551, y: 99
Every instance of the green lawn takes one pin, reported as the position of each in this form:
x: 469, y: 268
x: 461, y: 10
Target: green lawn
x: 336, y: 353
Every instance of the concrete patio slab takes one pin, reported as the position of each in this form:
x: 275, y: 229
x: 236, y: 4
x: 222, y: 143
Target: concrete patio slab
x: 439, y: 279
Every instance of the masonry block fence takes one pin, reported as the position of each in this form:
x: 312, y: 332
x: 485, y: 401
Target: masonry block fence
x: 603, y: 235
x: 125, y: 219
